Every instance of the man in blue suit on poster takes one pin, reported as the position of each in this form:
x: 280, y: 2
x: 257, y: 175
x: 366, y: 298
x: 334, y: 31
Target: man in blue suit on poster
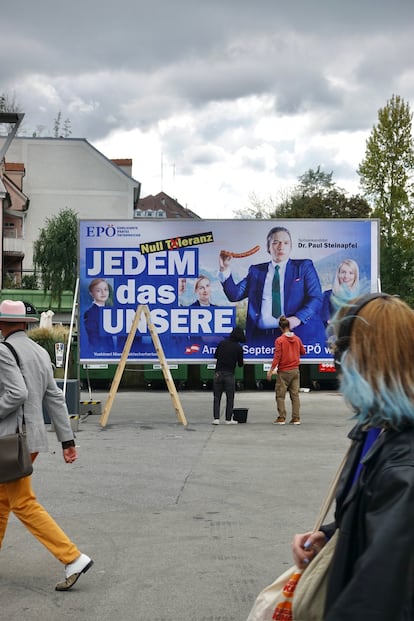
x: 282, y: 286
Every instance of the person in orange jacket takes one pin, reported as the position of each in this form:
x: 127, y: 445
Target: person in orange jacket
x: 286, y: 360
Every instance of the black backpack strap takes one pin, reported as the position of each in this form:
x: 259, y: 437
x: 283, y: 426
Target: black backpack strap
x: 13, y: 351
x: 16, y: 357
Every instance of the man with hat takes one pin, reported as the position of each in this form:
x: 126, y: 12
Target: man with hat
x: 24, y: 392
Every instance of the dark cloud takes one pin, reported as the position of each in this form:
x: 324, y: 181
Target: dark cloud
x: 225, y: 65
x: 136, y: 63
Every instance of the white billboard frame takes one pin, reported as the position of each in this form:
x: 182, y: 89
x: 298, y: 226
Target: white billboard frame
x: 144, y: 261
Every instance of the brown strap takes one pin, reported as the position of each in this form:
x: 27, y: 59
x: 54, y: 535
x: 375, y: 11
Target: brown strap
x: 330, y: 496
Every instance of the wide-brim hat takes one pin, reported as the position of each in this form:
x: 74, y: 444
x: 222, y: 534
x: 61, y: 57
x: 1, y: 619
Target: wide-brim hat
x: 16, y: 311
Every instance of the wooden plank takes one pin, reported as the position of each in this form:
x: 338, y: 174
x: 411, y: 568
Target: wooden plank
x: 165, y: 369
x: 143, y: 308
x: 121, y: 366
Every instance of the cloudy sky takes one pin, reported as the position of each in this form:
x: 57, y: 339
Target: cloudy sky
x: 214, y: 100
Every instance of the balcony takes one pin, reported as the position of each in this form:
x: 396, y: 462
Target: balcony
x: 12, y: 245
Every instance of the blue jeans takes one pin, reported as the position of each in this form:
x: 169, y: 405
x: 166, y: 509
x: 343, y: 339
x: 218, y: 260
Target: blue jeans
x: 223, y: 382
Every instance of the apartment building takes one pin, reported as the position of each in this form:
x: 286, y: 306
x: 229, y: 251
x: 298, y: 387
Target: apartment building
x: 42, y: 176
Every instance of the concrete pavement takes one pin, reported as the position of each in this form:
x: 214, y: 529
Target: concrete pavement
x: 184, y: 524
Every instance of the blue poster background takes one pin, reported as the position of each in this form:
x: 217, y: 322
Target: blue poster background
x: 160, y: 264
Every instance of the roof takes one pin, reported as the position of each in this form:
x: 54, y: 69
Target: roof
x: 89, y: 145
x: 19, y: 200
x: 171, y: 206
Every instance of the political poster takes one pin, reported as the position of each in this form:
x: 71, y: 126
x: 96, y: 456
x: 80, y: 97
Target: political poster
x: 201, y: 278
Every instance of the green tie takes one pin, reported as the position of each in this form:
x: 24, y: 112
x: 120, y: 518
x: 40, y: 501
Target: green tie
x: 276, y: 308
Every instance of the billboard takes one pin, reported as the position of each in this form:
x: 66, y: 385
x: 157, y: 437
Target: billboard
x: 200, y: 278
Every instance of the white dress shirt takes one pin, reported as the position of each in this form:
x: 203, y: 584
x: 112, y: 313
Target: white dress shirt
x: 266, y: 319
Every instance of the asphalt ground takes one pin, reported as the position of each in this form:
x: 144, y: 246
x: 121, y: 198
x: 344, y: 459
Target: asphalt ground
x: 183, y: 523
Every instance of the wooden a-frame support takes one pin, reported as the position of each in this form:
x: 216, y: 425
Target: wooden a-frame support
x: 143, y: 308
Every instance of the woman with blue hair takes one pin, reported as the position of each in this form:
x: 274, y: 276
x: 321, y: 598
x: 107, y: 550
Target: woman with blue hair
x: 371, y: 575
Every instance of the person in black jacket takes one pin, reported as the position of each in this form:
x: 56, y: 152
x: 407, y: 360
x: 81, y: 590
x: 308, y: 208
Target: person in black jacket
x: 228, y: 354
x: 371, y: 576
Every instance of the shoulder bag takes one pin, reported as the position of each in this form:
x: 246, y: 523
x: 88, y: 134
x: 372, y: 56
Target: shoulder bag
x: 310, y: 595
x: 15, y: 460
x: 279, y: 601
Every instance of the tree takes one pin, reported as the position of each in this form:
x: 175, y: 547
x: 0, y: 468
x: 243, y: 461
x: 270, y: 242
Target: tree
x: 314, y: 196
x: 386, y: 171
x: 58, y: 130
x: 314, y: 182
x: 386, y: 179
x: 9, y: 104
x: 55, y: 254
x: 332, y: 204
x: 258, y: 210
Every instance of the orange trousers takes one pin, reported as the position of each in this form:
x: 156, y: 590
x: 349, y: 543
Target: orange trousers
x: 18, y: 497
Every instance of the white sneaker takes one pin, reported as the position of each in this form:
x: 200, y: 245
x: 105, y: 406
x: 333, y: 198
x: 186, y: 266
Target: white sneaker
x: 232, y: 422
x: 73, y: 571
x: 216, y: 421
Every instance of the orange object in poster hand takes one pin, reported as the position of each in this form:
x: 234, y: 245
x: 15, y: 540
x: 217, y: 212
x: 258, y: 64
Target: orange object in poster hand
x: 239, y: 255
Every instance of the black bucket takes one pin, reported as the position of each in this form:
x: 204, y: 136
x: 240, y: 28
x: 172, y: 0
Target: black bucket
x: 240, y: 414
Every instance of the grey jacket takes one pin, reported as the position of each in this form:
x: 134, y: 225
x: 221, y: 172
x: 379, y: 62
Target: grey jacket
x: 33, y: 387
